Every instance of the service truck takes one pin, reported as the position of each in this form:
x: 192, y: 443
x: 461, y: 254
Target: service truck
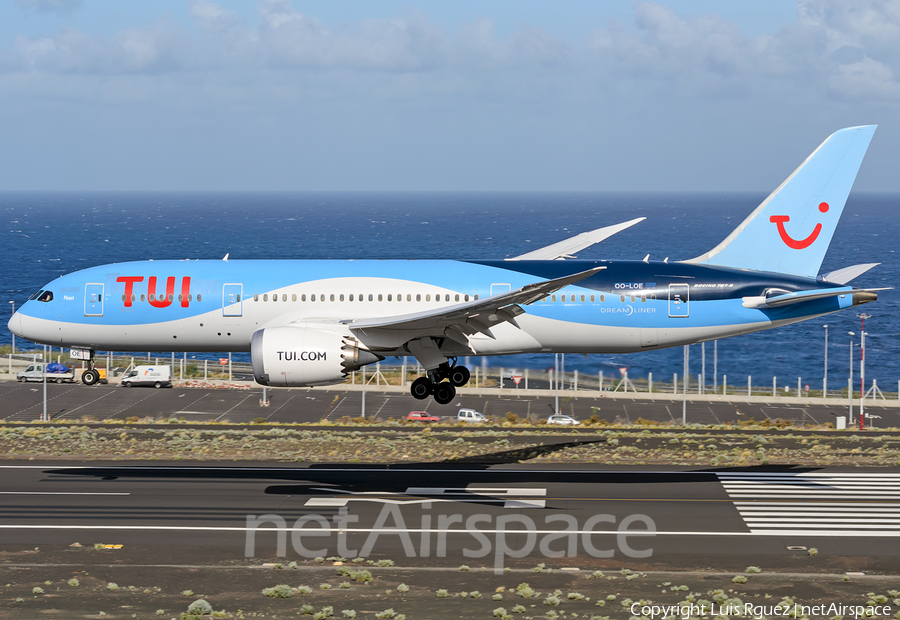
x: 55, y: 372
x: 157, y: 376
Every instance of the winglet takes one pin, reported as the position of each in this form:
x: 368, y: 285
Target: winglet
x: 567, y: 247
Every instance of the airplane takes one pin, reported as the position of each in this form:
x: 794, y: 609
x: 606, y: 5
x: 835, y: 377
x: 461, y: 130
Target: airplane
x: 313, y: 322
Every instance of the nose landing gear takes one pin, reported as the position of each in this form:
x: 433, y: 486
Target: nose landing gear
x: 90, y: 376
x: 435, y: 385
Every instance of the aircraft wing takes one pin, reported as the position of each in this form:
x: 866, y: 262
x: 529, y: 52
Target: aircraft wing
x: 459, y: 321
x: 795, y: 298
x: 568, y: 247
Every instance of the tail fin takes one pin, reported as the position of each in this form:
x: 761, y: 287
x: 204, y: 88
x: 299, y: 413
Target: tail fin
x: 792, y: 228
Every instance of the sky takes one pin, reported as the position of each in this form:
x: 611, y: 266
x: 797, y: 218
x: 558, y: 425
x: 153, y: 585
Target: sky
x: 613, y: 95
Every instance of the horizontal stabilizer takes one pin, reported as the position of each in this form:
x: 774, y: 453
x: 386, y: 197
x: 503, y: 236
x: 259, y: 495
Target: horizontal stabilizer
x: 788, y: 299
x: 568, y: 247
x: 847, y: 274
x: 792, y: 228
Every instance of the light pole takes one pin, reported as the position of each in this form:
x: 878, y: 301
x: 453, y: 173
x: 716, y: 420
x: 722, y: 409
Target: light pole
x: 825, y: 376
x: 862, y: 368
x: 850, y: 379
x: 13, y: 336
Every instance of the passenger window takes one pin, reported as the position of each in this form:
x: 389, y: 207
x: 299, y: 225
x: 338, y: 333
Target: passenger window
x: 428, y: 297
x: 633, y: 298
x: 593, y: 298
x: 476, y: 296
x: 643, y: 299
x: 418, y: 297
x: 582, y: 299
x: 303, y: 297
x: 172, y: 296
x: 622, y: 298
x: 351, y: 296
x: 447, y: 297
x: 123, y: 296
x: 400, y: 297
x: 390, y: 297
x: 466, y: 298
x: 332, y: 297
x: 370, y: 296
x: 266, y: 297
x: 152, y: 298
x: 653, y: 296
x: 553, y: 298
x: 142, y: 297
x: 408, y: 297
x: 379, y: 296
x: 457, y: 297
x: 342, y: 297
x: 602, y: 298
x: 198, y: 297
x: 284, y: 297
x: 236, y: 298
x: 255, y: 297
x: 190, y: 297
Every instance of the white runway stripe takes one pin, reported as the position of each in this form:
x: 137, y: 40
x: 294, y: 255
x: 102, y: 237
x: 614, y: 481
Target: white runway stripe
x: 816, y: 503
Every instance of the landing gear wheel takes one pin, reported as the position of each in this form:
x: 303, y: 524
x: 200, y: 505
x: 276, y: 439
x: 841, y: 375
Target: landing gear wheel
x: 444, y: 393
x: 459, y: 376
x: 90, y: 377
x: 421, y: 388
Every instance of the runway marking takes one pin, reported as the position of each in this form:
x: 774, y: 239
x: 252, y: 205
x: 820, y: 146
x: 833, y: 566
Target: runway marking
x: 872, y: 517
x: 55, y: 493
x: 511, y: 497
x: 202, y: 528
x: 235, y: 407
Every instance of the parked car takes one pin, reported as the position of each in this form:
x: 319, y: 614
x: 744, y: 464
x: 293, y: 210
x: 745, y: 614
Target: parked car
x: 562, y: 419
x: 421, y: 416
x: 470, y: 415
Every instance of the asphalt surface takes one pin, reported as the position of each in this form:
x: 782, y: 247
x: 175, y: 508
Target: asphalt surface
x: 22, y: 402
x: 428, y: 514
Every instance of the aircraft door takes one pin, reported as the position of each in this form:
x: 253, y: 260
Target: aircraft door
x: 679, y: 300
x: 93, y: 299
x: 232, y: 304
x: 499, y: 289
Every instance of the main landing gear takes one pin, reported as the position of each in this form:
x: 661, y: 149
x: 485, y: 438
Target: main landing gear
x: 90, y: 376
x: 440, y: 383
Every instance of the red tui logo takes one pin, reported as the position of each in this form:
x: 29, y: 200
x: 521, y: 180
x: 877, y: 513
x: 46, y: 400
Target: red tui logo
x: 797, y: 244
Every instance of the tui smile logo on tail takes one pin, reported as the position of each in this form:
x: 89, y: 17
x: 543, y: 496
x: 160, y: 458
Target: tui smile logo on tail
x: 797, y: 244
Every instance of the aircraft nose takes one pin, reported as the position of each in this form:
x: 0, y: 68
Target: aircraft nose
x: 15, y: 324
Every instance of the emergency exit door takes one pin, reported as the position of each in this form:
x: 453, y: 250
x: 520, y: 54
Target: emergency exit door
x: 93, y: 299
x: 232, y: 305
x: 679, y: 300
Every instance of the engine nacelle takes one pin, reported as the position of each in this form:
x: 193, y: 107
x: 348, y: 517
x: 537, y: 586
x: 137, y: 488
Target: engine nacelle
x: 306, y: 355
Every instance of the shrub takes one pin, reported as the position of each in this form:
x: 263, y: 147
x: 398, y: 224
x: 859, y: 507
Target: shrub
x: 475, y: 594
x: 307, y: 610
x: 279, y: 591
x: 464, y: 569
x: 188, y: 592
x: 441, y: 593
x: 344, y: 585
x: 160, y: 612
x: 739, y: 579
x: 349, y: 613
x: 387, y: 613
x: 551, y: 600
x: 384, y: 563
x: 499, y: 612
x: 598, y: 574
x: 325, y: 586
x: 112, y: 586
x: 403, y: 588
x: 813, y: 551
x: 37, y: 590
x: 361, y: 575
x: 518, y: 609
x: 539, y: 568
x: 303, y: 590
x: 575, y: 596
x: 73, y: 582
x: 200, y: 608
x: 497, y: 597
x: 753, y: 569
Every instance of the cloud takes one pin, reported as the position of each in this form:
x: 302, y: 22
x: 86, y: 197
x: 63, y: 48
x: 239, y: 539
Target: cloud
x: 49, y: 6
x: 836, y: 51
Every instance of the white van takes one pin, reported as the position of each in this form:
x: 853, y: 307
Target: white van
x: 157, y: 376
x: 470, y: 415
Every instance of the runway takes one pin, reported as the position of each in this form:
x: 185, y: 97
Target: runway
x: 425, y: 515
x: 24, y: 403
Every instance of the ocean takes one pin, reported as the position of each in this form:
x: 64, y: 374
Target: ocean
x: 44, y: 235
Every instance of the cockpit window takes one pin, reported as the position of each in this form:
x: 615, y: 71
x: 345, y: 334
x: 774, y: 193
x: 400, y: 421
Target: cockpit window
x: 45, y: 296
x: 36, y: 295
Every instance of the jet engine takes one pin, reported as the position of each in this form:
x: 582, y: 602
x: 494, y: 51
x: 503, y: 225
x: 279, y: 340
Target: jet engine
x: 306, y: 355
